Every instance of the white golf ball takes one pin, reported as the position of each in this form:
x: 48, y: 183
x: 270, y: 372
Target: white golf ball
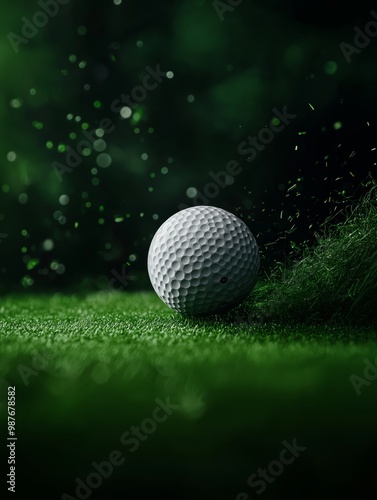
x: 203, y: 260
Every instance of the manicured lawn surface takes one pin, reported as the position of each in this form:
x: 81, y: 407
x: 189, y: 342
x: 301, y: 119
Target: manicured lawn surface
x: 86, y: 369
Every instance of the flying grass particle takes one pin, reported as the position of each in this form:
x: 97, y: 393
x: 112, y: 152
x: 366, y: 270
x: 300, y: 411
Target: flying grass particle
x: 81, y: 30
x: 48, y: 245
x: 38, y: 125
x: 11, y: 156
x: 27, y: 281
x: 32, y: 264
x: 16, y: 103
x: 64, y: 199
x: 136, y: 117
x: 330, y: 67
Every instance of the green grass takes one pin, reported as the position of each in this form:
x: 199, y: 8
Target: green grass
x: 334, y: 282
x: 242, y: 388
x: 279, y: 367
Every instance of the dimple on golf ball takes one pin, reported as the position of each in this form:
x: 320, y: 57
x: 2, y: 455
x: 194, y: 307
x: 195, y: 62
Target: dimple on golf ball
x: 203, y: 260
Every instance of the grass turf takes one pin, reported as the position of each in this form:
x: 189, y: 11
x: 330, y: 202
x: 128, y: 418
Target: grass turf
x: 87, y: 369
x: 336, y: 281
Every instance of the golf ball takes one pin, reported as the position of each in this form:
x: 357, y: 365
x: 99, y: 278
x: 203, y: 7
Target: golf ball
x: 203, y: 260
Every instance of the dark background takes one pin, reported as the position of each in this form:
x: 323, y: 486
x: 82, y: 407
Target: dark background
x: 226, y: 78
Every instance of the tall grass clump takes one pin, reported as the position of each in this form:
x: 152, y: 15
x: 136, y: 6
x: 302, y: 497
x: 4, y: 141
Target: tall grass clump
x: 336, y: 281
